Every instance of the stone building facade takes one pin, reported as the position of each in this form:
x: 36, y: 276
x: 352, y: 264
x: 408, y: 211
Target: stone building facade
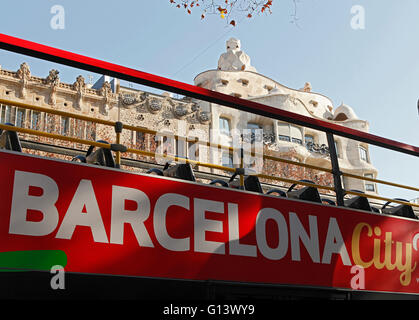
x: 235, y: 76
x: 196, y: 120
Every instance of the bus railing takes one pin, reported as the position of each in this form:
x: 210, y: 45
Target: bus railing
x: 176, y: 158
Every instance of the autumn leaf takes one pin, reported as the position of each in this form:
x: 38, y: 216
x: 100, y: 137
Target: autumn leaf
x: 222, y: 12
x: 249, y: 15
x: 233, y: 23
x: 267, y: 5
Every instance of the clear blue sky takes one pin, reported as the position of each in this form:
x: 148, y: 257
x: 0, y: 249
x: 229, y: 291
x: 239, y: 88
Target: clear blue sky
x: 375, y: 70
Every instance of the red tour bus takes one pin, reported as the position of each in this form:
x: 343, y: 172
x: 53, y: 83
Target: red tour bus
x: 117, y: 233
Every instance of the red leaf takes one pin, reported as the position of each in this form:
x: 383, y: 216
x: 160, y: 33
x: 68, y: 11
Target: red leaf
x: 233, y: 23
x: 249, y: 15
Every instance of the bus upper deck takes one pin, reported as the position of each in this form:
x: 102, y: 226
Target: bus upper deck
x: 164, y: 225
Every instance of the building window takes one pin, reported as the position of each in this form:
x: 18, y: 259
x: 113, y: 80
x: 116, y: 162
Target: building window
x: 363, y: 153
x: 166, y: 145
x: 181, y: 146
x: 140, y: 140
x: 308, y: 139
x: 295, y: 140
x: 193, y: 150
x: 132, y: 138
x: 20, y: 117
x: 36, y: 120
x: 8, y: 114
x: 227, y: 159
x: 2, y: 111
x: 284, y: 138
x: 256, y: 132
x: 283, y: 131
x: 337, y: 149
x: 65, y: 126
x: 296, y: 134
x: 49, y: 123
x: 80, y: 128
x: 224, y: 126
x: 289, y: 132
x: 91, y: 131
x: 369, y: 186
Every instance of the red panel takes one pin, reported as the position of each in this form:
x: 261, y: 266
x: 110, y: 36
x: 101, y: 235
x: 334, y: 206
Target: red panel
x: 176, y: 229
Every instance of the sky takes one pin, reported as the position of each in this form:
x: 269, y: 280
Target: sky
x: 375, y: 70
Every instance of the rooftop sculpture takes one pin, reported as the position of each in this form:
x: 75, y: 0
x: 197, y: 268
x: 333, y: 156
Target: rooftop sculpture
x: 234, y: 59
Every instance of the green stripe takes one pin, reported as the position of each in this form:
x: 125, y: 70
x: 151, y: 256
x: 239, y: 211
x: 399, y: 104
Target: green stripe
x: 40, y: 260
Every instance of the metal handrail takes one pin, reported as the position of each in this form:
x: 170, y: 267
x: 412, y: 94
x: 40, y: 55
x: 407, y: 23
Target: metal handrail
x: 292, y: 181
x: 149, y: 131
x: 176, y: 158
x: 56, y: 112
x: 382, y: 198
x: 350, y: 175
x: 55, y: 136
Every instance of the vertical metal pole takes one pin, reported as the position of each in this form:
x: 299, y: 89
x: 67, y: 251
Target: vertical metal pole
x: 118, y: 153
x: 118, y: 130
x: 335, y: 169
x: 241, y: 166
